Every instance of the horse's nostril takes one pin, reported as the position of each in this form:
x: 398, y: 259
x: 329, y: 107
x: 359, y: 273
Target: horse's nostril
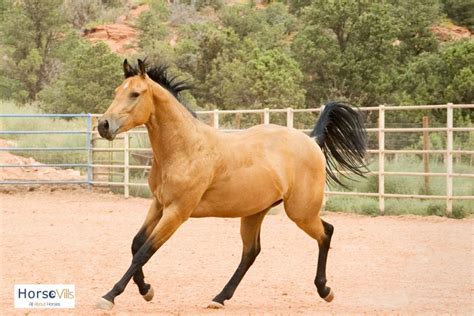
x: 103, y: 128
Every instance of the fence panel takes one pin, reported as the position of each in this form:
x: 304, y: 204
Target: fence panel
x: 120, y: 172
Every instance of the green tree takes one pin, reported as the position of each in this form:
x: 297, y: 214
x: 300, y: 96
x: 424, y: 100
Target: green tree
x: 259, y: 79
x: 79, y: 13
x: 354, y: 50
x: 440, y: 77
x: 296, y: 6
x: 199, y: 4
x: 414, y: 21
x: 460, y: 11
x: 31, y: 31
x: 87, y: 83
x: 347, y: 51
x: 152, y: 25
x: 268, y: 28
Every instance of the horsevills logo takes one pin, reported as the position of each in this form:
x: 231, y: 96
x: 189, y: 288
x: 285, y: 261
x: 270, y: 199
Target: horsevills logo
x: 44, y: 296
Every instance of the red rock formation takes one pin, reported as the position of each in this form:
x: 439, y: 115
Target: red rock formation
x: 450, y: 32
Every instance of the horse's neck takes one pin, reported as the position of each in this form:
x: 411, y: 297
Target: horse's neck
x: 172, y: 129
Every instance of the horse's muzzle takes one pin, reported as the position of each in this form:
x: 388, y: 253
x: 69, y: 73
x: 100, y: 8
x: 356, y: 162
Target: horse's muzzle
x: 105, y: 130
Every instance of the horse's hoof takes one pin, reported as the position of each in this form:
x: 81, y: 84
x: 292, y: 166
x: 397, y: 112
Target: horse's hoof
x: 105, y: 304
x: 215, y: 305
x: 329, y: 297
x: 149, y: 295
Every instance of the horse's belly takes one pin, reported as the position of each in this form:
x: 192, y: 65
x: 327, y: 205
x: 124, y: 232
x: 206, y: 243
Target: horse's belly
x: 243, y: 194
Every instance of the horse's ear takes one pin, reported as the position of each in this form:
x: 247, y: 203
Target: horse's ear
x: 127, y: 69
x: 141, y: 67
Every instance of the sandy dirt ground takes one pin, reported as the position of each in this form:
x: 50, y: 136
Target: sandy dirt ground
x: 28, y: 172
x: 407, y: 265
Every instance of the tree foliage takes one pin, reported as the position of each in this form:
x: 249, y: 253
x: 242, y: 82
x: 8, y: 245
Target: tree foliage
x: 275, y: 54
x: 28, y: 62
x: 87, y: 83
x: 440, y: 77
x: 260, y: 79
x: 353, y: 50
x: 460, y: 11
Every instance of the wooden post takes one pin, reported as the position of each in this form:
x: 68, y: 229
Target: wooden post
x: 238, y: 117
x: 426, y: 156
x: 93, y: 145
x: 216, y: 118
x: 111, y: 157
x: 266, y: 116
x: 289, y: 117
x: 449, y: 160
x: 89, y: 144
x: 126, y: 162
x: 381, y: 136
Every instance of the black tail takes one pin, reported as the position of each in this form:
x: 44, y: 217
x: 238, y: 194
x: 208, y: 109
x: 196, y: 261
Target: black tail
x: 341, y: 134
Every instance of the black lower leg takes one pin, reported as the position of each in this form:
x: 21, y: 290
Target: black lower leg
x: 139, y: 277
x: 324, y: 245
x: 245, y: 263
x: 139, y: 259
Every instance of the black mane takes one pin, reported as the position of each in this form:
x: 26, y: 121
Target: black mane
x: 160, y: 75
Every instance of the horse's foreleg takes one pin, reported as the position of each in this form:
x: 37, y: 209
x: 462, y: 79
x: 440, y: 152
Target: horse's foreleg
x: 250, y: 233
x: 153, y: 217
x: 168, y: 224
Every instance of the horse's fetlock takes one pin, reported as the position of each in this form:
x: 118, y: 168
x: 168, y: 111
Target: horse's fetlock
x: 320, y: 282
x: 118, y: 289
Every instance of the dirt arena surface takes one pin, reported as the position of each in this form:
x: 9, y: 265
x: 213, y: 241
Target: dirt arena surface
x: 377, y: 265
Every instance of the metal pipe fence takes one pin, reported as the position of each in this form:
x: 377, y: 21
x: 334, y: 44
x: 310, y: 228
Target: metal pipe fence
x: 94, y: 169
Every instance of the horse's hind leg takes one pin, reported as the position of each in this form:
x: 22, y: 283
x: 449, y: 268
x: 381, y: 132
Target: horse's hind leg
x: 153, y: 217
x: 307, y: 218
x: 250, y: 233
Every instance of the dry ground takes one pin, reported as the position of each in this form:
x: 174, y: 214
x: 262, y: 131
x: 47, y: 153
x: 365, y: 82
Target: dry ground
x: 376, y: 264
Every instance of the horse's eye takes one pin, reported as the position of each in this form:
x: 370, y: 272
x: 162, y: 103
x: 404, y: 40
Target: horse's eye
x: 134, y: 95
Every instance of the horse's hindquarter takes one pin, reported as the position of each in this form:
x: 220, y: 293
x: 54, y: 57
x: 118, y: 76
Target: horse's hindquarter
x: 258, y: 167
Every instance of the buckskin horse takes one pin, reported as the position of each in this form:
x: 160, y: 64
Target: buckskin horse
x: 198, y: 171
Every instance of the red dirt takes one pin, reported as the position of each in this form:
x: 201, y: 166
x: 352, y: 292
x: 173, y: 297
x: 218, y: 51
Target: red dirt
x: 121, y: 37
x: 376, y: 264
x: 446, y: 33
x: 31, y: 173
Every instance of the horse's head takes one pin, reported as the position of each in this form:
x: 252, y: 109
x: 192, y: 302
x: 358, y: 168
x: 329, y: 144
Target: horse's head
x: 132, y: 105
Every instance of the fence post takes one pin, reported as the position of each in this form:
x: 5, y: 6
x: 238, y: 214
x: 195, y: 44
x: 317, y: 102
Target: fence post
x: 426, y: 156
x: 289, y: 117
x: 266, y: 116
x: 126, y: 162
x: 238, y: 117
x: 449, y: 160
x: 89, y: 150
x: 216, y: 118
x: 381, y: 158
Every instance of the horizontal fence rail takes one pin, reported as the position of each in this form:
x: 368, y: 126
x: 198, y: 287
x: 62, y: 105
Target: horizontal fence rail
x: 93, y: 168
